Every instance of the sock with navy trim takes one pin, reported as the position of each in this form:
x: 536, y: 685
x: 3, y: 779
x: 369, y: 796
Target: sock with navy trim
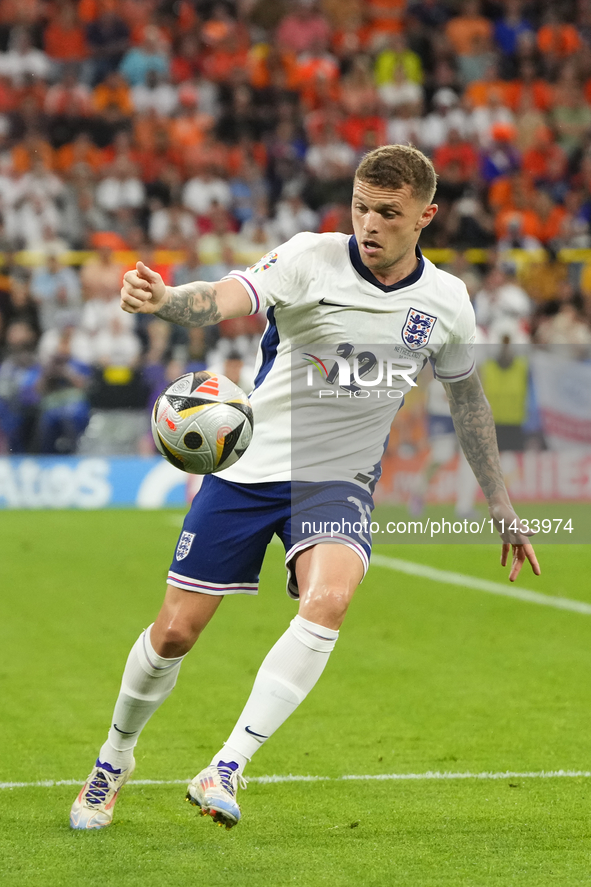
x: 285, y: 678
x: 148, y: 679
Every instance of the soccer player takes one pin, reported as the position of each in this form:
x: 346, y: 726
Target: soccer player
x: 373, y: 287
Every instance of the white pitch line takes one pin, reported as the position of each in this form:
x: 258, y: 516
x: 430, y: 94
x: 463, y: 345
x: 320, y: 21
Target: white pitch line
x: 486, y: 585
x: 380, y: 777
x: 449, y: 578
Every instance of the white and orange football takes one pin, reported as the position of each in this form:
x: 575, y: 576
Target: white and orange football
x: 202, y: 423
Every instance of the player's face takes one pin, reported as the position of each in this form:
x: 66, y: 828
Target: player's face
x: 387, y: 223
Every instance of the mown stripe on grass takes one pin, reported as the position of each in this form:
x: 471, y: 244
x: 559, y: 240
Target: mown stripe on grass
x: 267, y: 780
x: 449, y: 578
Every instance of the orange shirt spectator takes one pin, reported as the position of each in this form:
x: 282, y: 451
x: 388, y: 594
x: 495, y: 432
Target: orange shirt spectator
x: 528, y: 222
x: 316, y: 80
x: 479, y: 91
x: 507, y: 190
x: 551, y: 217
x: 89, y: 10
x: 31, y: 148
x: 108, y: 240
x: 354, y: 128
x: 187, y: 17
x: 220, y: 63
x: 558, y: 39
x: 81, y: 150
x: 188, y: 128
x: 463, y: 29
x: 156, y: 162
x: 64, y: 37
x: 455, y: 150
x: 316, y: 67
x: 8, y: 95
x: 113, y: 94
x: 545, y: 159
x: 539, y: 90
x: 150, y: 133
x: 384, y: 17
x: 238, y: 155
x: 208, y: 153
x: 264, y: 61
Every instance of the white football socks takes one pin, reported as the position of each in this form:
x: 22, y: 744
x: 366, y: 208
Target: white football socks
x: 148, y: 679
x: 285, y: 678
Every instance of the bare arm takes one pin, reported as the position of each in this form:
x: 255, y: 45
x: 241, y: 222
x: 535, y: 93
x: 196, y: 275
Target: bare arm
x: 193, y: 304
x: 475, y: 428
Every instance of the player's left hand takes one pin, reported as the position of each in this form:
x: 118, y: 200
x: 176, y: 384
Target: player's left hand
x: 521, y: 552
x: 515, y: 540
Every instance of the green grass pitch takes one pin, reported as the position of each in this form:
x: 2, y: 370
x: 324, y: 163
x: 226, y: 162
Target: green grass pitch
x: 425, y: 677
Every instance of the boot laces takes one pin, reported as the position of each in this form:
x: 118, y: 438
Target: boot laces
x: 231, y: 779
x: 98, y: 789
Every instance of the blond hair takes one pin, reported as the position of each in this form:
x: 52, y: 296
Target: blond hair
x: 393, y: 166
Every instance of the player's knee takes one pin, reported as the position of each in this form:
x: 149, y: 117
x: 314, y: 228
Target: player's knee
x: 173, y: 643
x: 326, y: 605
x: 174, y: 639
x: 181, y: 620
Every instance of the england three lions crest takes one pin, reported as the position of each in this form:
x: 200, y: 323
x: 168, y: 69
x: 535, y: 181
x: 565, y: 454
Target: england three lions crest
x: 417, y: 329
x: 184, y: 546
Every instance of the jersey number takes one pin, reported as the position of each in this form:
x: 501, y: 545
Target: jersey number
x: 366, y: 362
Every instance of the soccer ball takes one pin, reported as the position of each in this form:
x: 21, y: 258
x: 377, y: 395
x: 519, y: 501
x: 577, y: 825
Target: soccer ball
x: 202, y: 423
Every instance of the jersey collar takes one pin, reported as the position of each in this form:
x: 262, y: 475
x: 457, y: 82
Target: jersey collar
x: 367, y: 275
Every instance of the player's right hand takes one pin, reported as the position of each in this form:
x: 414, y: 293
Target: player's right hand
x: 143, y: 291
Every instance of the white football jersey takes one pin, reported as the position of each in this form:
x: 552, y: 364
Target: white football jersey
x: 330, y: 322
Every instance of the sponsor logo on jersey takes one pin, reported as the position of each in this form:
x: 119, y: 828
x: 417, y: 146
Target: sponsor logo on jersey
x: 264, y: 263
x: 417, y: 329
x: 184, y: 546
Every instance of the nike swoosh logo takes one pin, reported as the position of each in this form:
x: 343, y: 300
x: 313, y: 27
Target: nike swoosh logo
x: 257, y: 735
x: 123, y: 731
x: 333, y: 304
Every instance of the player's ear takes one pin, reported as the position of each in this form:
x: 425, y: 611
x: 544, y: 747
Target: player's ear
x: 427, y: 216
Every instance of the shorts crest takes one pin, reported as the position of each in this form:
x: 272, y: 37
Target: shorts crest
x: 184, y: 546
x: 416, y: 331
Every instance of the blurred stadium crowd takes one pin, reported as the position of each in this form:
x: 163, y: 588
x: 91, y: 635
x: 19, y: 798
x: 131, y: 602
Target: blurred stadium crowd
x: 198, y: 134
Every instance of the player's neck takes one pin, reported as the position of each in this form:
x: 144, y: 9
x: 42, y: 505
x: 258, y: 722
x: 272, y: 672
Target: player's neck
x: 404, y: 267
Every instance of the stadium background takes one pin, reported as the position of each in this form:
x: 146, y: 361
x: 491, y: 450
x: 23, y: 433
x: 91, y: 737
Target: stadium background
x: 198, y: 135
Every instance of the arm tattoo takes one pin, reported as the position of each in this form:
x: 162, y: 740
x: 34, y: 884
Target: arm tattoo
x: 193, y: 304
x: 475, y: 428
